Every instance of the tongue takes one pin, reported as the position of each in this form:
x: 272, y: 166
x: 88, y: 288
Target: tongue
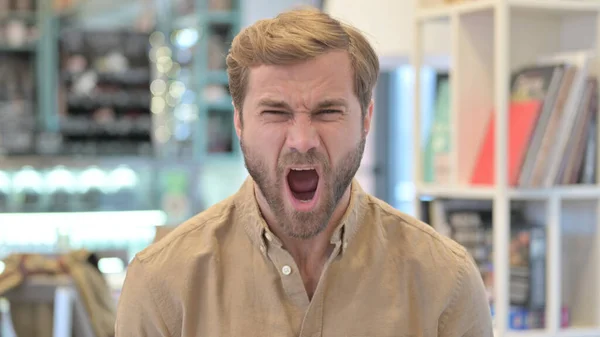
x: 303, y: 181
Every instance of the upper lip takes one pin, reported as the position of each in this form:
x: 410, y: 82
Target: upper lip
x: 304, y: 167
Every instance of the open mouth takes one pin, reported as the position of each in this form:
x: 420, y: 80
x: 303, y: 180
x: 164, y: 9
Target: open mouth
x: 303, y: 183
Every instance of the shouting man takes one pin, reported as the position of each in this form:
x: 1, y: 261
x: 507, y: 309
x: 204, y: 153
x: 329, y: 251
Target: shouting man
x: 301, y: 249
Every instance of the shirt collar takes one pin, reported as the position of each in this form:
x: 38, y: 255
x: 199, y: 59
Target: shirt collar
x: 256, y: 227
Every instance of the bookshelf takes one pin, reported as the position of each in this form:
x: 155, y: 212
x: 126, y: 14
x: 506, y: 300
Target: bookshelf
x: 491, y: 41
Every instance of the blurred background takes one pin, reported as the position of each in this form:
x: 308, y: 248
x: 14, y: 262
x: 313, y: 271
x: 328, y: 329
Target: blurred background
x: 116, y: 125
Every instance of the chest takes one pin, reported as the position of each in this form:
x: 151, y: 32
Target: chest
x: 274, y: 302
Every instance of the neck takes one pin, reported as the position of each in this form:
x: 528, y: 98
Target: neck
x: 308, y: 253
x: 312, y: 254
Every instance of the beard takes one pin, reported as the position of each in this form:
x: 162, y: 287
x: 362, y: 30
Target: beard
x: 335, y: 181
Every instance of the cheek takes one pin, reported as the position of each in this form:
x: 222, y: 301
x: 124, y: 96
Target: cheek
x: 339, y: 141
x: 265, y: 144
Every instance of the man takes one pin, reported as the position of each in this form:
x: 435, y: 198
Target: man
x: 301, y: 249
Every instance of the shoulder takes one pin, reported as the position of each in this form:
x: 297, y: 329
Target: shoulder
x: 192, y: 235
x: 415, y: 235
x: 420, y: 252
x: 446, y: 272
x: 159, y: 277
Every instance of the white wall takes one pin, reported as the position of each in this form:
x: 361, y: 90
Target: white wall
x: 388, y: 25
x: 385, y: 22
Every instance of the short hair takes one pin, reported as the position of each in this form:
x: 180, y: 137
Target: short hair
x: 298, y: 35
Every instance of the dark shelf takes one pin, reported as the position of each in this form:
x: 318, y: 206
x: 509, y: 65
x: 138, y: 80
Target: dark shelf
x: 24, y: 48
x: 119, y: 128
x: 122, y: 99
x: 27, y: 16
x: 129, y: 77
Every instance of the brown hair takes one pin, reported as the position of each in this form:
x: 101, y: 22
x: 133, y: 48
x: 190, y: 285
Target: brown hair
x: 295, y: 36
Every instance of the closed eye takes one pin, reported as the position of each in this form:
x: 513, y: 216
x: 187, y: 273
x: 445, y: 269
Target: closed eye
x: 276, y: 116
x: 329, y: 111
x: 274, y: 112
x: 329, y: 115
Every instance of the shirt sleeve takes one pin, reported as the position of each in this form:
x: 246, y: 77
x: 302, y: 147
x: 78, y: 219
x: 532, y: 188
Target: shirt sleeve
x: 138, y: 315
x: 468, y: 314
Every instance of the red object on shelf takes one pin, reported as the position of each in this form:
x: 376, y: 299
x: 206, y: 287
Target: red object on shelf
x: 523, y: 116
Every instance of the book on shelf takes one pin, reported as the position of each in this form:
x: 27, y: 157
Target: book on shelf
x: 549, y: 161
x: 470, y: 224
x: 549, y: 149
x: 551, y: 125
x: 528, y: 95
x: 438, y: 147
x: 520, y: 318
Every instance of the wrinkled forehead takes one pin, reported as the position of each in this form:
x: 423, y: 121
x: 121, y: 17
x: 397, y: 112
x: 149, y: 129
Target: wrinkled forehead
x: 327, y: 78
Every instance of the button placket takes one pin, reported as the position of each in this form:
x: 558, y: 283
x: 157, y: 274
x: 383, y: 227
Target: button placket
x: 312, y: 324
x: 291, y: 281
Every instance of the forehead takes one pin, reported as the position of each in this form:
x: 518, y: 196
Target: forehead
x: 325, y: 77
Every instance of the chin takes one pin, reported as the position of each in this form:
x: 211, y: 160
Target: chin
x: 305, y: 225
x: 307, y: 219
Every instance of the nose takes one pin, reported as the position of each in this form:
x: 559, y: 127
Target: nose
x: 302, y: 135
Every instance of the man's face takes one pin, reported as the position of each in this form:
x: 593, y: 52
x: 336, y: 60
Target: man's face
x: 303, y: 137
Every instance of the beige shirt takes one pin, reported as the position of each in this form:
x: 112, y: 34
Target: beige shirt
x: 224, y: 273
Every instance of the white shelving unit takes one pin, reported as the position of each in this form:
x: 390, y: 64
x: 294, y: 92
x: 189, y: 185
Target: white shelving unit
x: 489, y: 40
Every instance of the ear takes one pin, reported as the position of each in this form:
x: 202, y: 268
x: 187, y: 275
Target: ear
x: 368, y: 118
x: 237, y: 121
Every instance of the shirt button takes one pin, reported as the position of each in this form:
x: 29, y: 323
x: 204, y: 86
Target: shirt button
x: 262, y: 248
x: 286, y: 270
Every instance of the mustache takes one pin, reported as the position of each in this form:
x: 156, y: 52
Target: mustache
x: 297, y: 158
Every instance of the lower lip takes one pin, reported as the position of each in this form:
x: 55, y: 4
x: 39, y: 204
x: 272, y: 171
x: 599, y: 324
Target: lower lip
x: 301, y: 206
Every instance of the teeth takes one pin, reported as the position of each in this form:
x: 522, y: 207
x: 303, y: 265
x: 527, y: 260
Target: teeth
x: 304, y: 201
x: 302, y: 169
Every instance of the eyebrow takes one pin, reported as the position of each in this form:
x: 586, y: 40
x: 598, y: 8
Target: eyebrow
x: 328, y: 103
x: 271, y: 103
x: 278, y: 104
